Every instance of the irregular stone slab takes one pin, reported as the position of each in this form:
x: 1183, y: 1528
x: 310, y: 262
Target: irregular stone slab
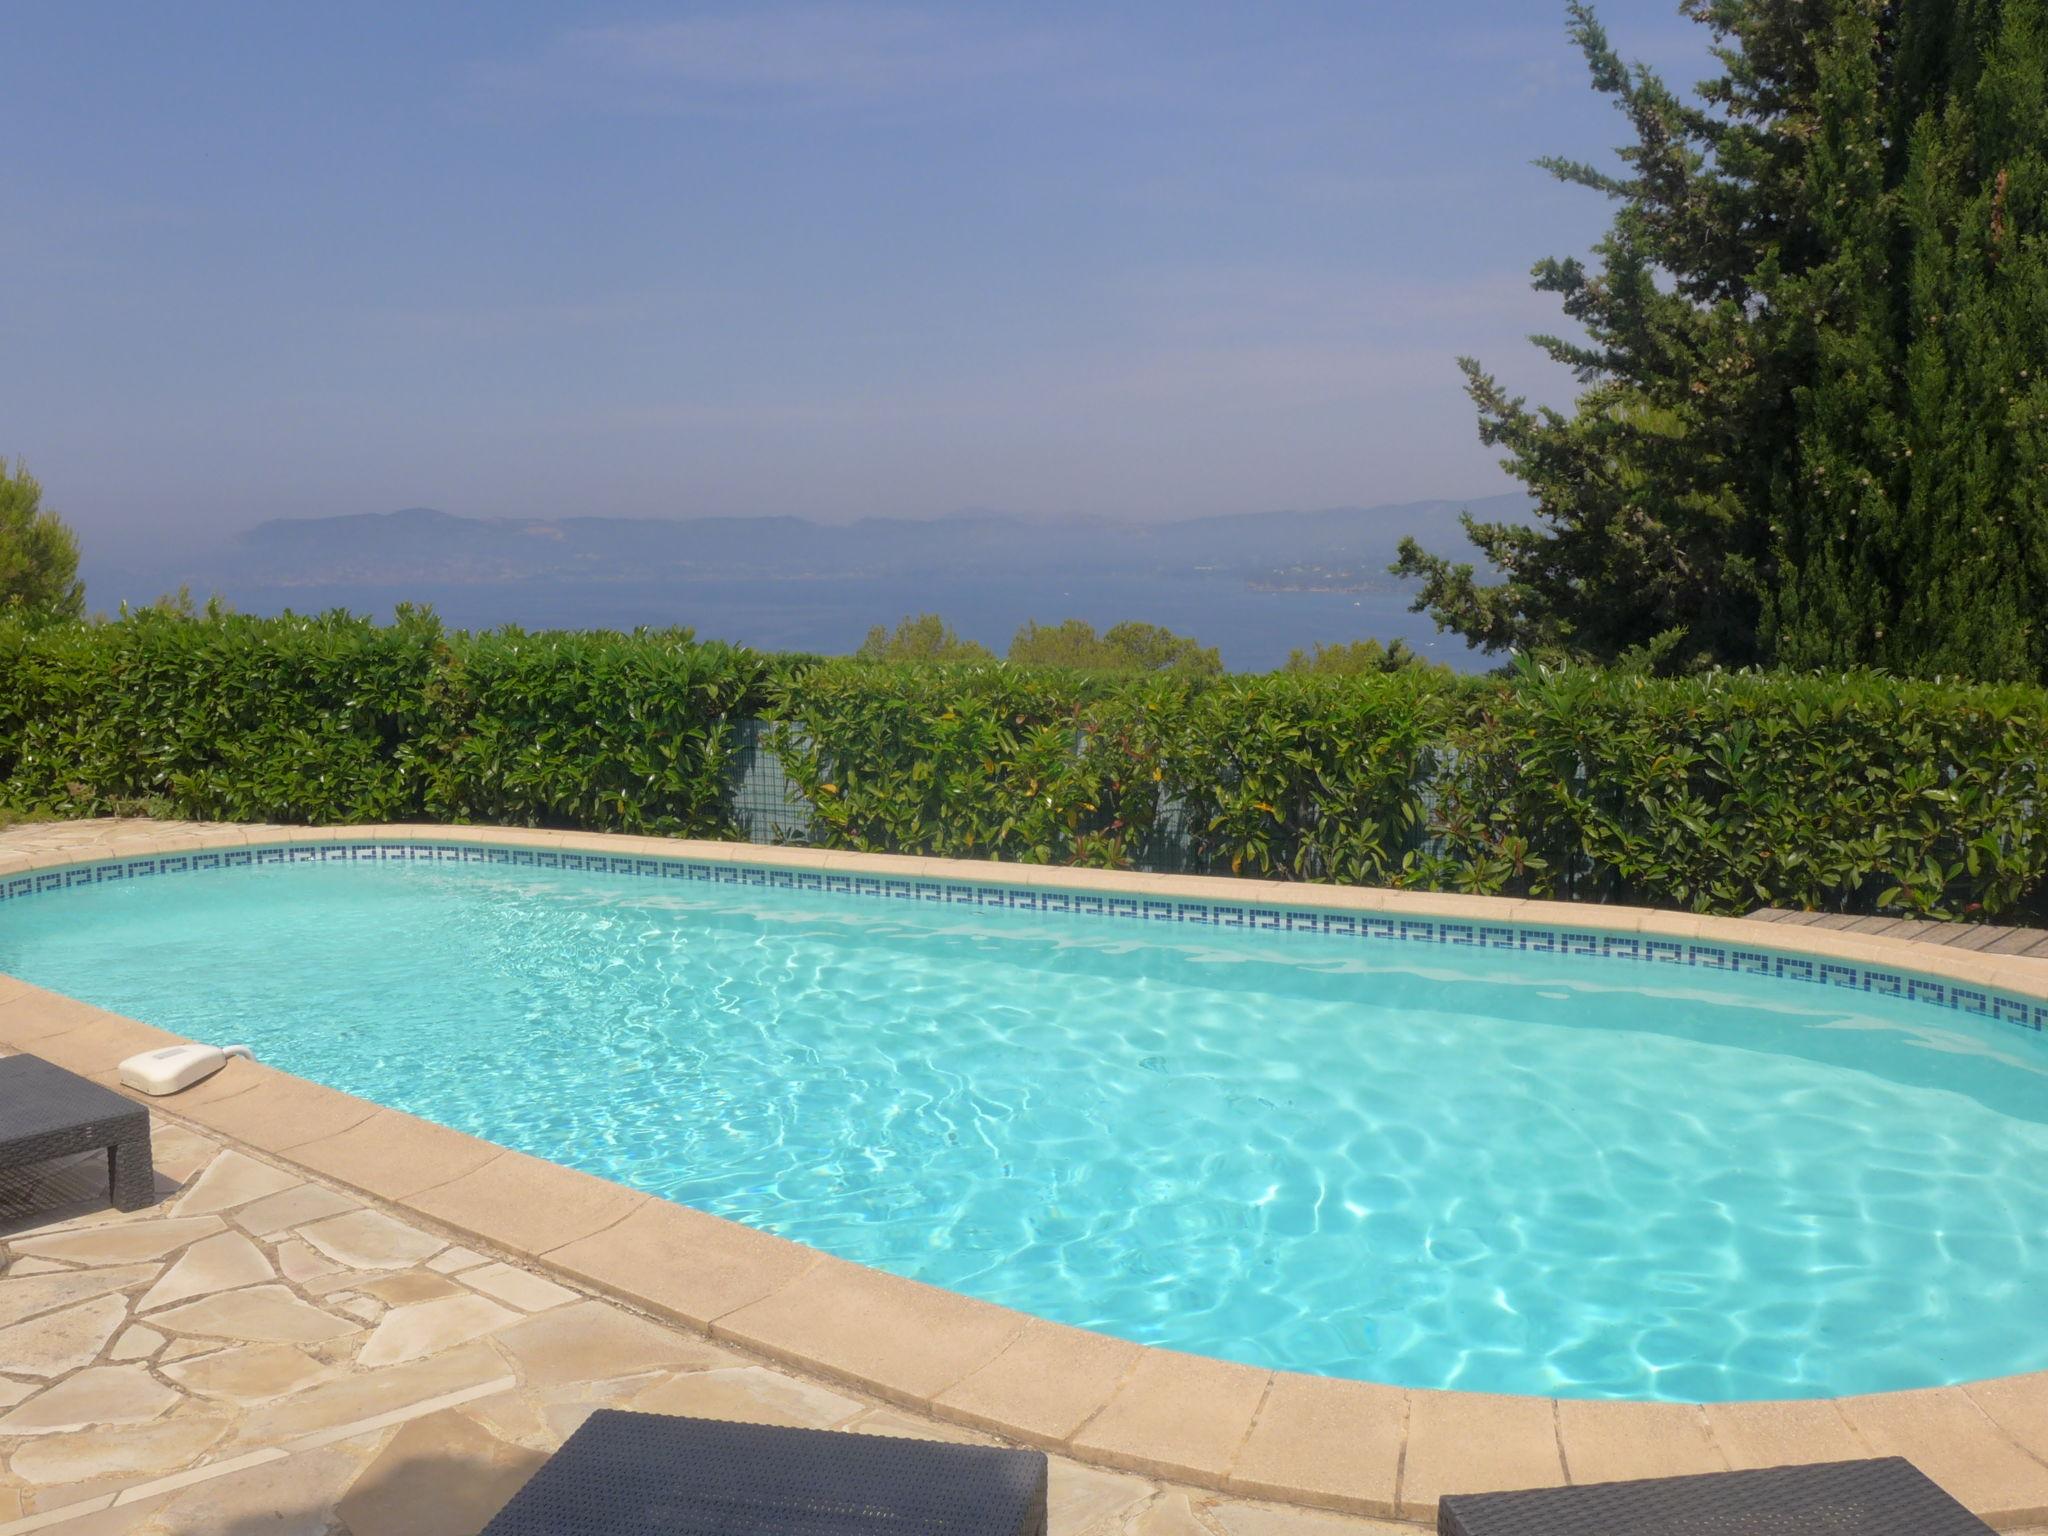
x: 364, y: 1308
x: 225, y: 1262
x: 71, y: 1501
x: 122, y: 1244
x: 342, y: 1282
x: 61, y: 1195
x: 231, y: 1180
x: 32, y: 1294
x: 12, y: 1392
x: 406, y: 1333
x: 350, y: 1398
x: 136, y: 1343
x: 172, y: 1442
x: 1077, y: 1496
x: 371, y: 1240
x: 263, y: 1314
x: 102, y: 1394
x: 62, y: 1341
x: 901, y: 1426
x: 1173, y: 1514
x: 1279, y: 1520
x: 293, y: 1208
x: 135, y: 1518
x: 454, y: 1260
x: 255, y: 1373
x: 590, y: 1341
x: 749, y: 1394
x: 185, y: 1349
x: 510, y: 1416
x: 178, y: 1153
x: 293, y: 1496
x: 564, y: 1408
x: 300, y: 1262
x: 443, y: 1475
x: 564, y: 1418
x: 410, y: 1287
x: 32, y: 1267
x: 515, y: 1287
x: 55, y: 1197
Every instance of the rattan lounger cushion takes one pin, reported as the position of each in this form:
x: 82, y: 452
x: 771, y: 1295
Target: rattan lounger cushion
x: 1885, y: 1497
x: 47, y: 1112
x: 637, y: 1474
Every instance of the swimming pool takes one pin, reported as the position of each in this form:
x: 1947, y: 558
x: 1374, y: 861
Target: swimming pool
x: 1437, y: 1163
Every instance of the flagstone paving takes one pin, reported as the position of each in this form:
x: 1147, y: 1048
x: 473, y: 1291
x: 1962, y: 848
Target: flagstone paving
x: 264, y: 1352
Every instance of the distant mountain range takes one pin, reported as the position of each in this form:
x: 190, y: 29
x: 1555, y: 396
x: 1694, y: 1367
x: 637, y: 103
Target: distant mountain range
x: 1344, y: 549
x: 1256, y: 585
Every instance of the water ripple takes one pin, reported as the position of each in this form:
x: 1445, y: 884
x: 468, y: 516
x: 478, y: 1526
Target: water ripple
x: 1435, y: 1168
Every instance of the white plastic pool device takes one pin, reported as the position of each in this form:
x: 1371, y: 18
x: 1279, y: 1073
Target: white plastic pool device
x: 177, y: 1066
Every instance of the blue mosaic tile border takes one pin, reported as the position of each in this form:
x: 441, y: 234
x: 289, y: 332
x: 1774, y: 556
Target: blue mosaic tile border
x: 2028, y: 1013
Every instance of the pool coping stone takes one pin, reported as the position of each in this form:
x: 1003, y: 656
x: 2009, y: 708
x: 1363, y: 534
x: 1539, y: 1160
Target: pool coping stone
x: 1353, y: 1447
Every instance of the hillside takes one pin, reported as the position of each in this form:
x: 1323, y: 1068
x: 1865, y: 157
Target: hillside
x: 1270, y: 549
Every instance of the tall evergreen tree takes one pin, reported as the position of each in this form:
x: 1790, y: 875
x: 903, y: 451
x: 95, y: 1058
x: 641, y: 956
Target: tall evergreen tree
x: 1841, y: 546
x: 1975, y: 215
x: 1814, y: 424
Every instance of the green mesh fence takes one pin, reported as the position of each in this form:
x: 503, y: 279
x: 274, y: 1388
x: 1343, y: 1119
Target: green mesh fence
x: 769, y: 807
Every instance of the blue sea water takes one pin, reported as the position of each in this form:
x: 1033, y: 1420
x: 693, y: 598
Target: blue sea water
x: 1253, y: 630
x: 1425, y: 1166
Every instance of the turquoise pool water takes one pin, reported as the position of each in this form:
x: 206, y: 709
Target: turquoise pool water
x: 1431, y: 1166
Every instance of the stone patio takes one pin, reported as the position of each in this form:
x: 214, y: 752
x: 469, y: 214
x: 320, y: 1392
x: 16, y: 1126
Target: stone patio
x: 262, y: 1352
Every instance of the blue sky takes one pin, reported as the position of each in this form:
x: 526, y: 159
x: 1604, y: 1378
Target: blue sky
x: 835, y: 260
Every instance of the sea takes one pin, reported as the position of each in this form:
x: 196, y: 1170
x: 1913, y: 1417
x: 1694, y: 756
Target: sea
x: 1254, y: 630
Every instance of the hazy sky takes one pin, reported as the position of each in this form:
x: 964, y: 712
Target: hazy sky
x: 1143, y: 259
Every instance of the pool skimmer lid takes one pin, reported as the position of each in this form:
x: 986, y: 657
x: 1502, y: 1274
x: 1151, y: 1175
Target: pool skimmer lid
x: 176, y: 1066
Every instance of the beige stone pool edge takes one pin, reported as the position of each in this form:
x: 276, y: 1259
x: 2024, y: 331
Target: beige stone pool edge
x: 1348, y: 1446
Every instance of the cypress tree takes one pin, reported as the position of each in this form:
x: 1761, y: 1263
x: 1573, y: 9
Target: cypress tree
x: 1841, y: 546
x: 1814, y: 419
x: 1975, y: 216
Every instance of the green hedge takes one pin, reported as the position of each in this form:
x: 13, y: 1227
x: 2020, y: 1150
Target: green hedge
x: 1719, y: 794
x: 1716, y: 794
x: 334, y: 719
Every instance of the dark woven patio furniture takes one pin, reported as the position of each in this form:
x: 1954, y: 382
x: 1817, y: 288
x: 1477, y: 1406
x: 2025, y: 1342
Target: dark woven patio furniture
x: 651, y: 1474
x: 1886, y: 1497
x: 46, y: 1112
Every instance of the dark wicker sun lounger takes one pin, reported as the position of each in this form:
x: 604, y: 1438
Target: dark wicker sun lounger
x: 650, y: 1474
x: 46, y: 1112
x: 1886, y: 1497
